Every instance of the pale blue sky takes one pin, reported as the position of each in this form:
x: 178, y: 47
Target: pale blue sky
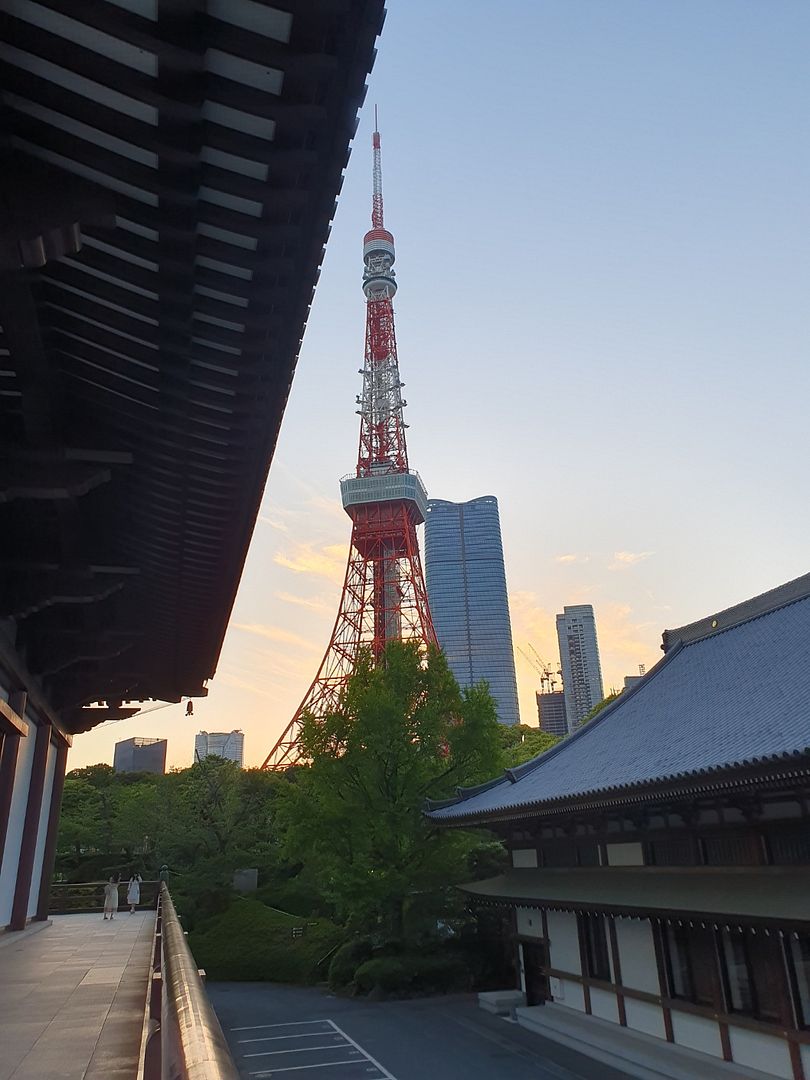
x: 601, y: 212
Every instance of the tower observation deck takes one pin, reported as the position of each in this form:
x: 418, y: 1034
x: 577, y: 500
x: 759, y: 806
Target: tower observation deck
x: 384, y: 597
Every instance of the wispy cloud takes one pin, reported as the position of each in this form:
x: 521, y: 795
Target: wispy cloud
x: 275, y: 633
x: 572, y: 558
x: 623, y: 559
x: 274, y: 523
x: 327, y: 561
x: 317, y: 604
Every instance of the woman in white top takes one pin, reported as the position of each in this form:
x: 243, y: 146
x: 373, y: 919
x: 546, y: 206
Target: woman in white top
x: 134, y: 892
x: 110, y: 899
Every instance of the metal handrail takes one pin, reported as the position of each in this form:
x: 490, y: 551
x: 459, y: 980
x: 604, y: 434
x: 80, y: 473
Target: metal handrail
x: 192, y: 1044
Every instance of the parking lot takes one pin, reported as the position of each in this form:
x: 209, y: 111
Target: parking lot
x: 294, y: 1033
x: 320, y: 1047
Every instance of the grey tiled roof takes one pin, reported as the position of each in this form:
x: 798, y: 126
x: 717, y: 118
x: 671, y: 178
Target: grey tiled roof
x: 731, y: 697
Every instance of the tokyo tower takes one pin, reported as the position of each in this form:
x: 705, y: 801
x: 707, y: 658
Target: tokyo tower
x: 384, y: 597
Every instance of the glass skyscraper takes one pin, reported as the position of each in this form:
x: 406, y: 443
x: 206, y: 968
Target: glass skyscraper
x: 466, y: 586
x: 579, y: 660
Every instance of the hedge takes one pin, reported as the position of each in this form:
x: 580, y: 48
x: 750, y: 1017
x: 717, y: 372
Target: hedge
x: 253, y: 942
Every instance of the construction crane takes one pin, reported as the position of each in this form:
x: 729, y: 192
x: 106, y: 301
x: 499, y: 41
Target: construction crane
x: 548, y: 674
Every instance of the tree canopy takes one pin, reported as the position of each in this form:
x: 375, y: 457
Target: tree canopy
x: 522, y: 743
x: 403, y: 731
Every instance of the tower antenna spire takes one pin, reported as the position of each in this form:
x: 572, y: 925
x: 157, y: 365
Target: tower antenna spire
x: 384, y: 597
x: 377, y: 196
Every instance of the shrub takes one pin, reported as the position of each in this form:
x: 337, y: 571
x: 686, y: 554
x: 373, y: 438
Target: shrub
x: 389, y: 973
x: 347, y: 960
x: 251, y: 941
x: 293, y: 894
x: 412, y: 973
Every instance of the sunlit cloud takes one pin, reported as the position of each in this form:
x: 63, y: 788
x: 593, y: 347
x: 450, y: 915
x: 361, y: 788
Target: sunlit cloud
x: 274, y: 523
x: 275, y: 633
x: 623, y: 559
x: 331, y: 507
x: 242, y: 684
x: 316, y: 604
x: 327, y: 561
x: 572, y: 558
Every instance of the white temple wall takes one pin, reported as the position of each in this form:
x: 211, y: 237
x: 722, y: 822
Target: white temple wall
x: 697, y: 1032
x: 766, y: 1052
x: 16, y: 822
x: 529, y: 922
x: 637, y: 955
x: 563, y: 939
x: 42, y: 833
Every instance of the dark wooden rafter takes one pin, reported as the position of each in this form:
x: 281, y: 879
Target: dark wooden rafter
x: 194, y: 161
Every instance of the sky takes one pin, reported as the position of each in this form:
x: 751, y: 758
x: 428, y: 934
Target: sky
x: 601, y: 215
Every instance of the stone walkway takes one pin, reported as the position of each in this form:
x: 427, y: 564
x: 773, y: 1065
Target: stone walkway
x: 72, y: 998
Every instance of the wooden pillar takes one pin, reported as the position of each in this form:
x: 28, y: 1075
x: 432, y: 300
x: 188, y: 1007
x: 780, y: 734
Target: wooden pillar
x: 49, y: 855
x: 33, y: 810
x: 617, y: 969
x: 8, y: 763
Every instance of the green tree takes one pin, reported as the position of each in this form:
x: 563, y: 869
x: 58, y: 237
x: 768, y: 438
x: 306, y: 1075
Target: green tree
x: 599, y: 706
x: 80, y: 827
x: 522, y: 743
x: 402, y: 731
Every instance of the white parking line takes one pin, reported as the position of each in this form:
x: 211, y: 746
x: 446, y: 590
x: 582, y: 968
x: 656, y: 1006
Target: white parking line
x: 273, y: 1038
x: 348, y: 1038
x: 290, y: 1023
x: 297, y: 1050
x: 295, y: 1068
x: 326, y: 1028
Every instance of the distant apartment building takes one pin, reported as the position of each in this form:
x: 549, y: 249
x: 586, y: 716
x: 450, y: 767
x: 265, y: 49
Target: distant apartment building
x: 225, y: 744
x: 140, y: 755
x: 579, y: 660
x: 466, y: 585
x: 551, y: 712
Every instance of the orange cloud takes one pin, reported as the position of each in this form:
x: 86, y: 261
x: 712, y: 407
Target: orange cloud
x: 275, y: 633
x: 623, y: 559
x: 572, y: 558
x: 328, y: 561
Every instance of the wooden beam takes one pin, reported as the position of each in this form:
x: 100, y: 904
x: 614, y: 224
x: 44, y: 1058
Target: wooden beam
x: 21, y: 676
x: 11, y: 722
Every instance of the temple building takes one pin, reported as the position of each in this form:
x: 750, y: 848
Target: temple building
x: 659, y: 890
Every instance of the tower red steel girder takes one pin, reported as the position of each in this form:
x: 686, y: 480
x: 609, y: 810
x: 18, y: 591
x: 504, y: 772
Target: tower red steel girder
x: 384, y: 597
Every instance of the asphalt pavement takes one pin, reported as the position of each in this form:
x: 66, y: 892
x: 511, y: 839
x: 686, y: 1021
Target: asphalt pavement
x: 295, y: 1033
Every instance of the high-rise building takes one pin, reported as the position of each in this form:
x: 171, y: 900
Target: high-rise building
x: 140, y: 755
x: 579, y: 660
x: 224, y: 744
x: 466, y: 586
x: 551, y: 712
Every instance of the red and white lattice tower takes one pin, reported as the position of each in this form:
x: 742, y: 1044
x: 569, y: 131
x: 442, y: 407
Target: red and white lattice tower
x: 384, y: 597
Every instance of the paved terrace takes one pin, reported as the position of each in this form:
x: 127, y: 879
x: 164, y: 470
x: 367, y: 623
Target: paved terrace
x: 72, y: 998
